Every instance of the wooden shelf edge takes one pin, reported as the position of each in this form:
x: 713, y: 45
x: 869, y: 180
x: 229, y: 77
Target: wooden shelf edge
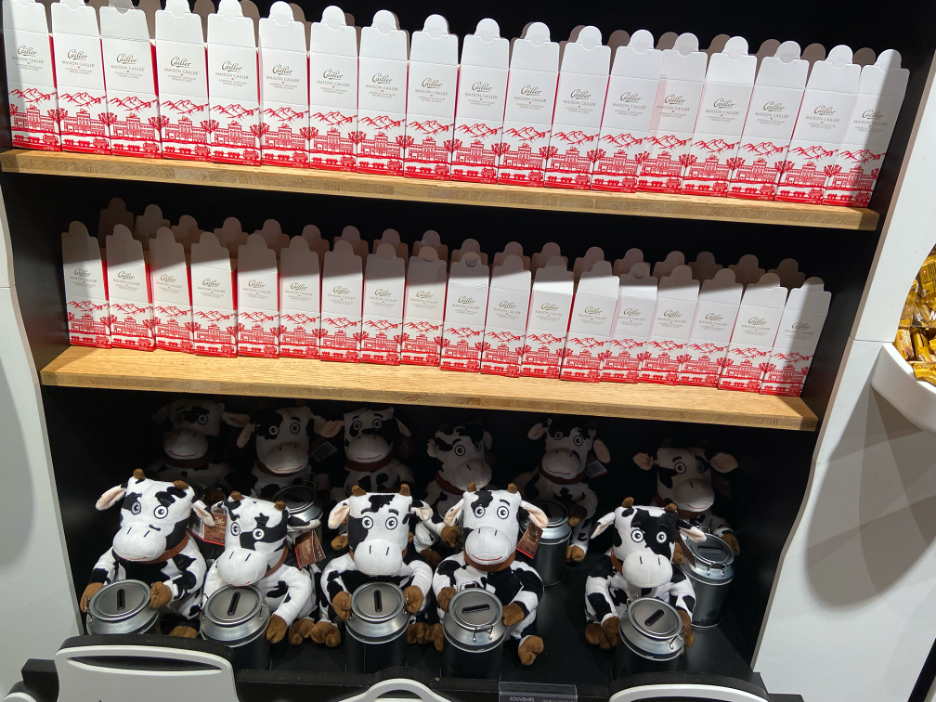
x: 311, y: 181
x: 164, y: 371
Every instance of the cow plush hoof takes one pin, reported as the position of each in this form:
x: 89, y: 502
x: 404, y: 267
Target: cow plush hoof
x: 733, y: 542
x: 88, y: 593
x: 513, y: 614
x: 595, y: 635
x: 160, y: 595
x: 433, y: 558
x: 576, y: 515
x: 183, y: 631
x: 531, y: 647
x: 610, y: 628
x: 436, y: 636
x: 444, y: 597
x: 574, y: 554
x: 276, y: 629
x: 416, y: 633
x: 326, y: 633
x: 413, y: 597
x: 300, y: 629
x: 688, y: 635
x: 450, y: 535
x: 678, y: 556
x: 339, y: 542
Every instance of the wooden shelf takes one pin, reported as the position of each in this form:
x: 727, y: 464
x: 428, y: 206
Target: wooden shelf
x: 395, y: 188
x: 166, y: 371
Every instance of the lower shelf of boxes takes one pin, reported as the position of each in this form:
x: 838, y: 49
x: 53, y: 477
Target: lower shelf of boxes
x: 167, y: 371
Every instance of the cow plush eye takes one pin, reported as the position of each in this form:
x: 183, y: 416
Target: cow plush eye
x: 680, y: 467
x: 136, y: 508
x: 578, y: 441
x: 702, y: 467
x: 274, y: 431
x: 459, y: 450
x: 357, y: 425
x: 376, y: 424
x: 503, y: 512
x: 258, y: 534
x: 479, y: 511
x: 661, y: 537
x: 203, y: 419
x: 557, y: 435
x: 295, y: 428
x: 161, y: 511
x: 637, y: 535
x: 392, y: 522
x: 235, y: 529
x: 367, y: 522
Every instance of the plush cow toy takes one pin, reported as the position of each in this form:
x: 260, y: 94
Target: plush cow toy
x: 192, y: 445
x: 281, y: 439
x: 153, y: 546
x: 462, y: 456
x: 560, y: 476
x: 639, y: 564
x: 684, y: 478
x: 491, y: 523
x: 378, y: 536
x: 255, y: 550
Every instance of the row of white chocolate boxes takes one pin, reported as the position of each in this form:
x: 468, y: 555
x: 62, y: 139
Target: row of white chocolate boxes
x: 527, y: 112
x: 737, y: 328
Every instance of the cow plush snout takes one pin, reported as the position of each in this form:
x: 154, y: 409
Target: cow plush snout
x: 561, y: 463
x: 185, y: 444
x: 694, y: 495
x: 378, y: 557
x: 241, y: 566
x: 474, y: 471
x: 489, y: 546
x: 284, y: 458
x: 647, y: 569
x: 139, y: 542
x: 367, y: 448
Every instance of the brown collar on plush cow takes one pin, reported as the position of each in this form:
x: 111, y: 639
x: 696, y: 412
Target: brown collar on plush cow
x: 275, y: 568
x: 491, y: 568
x: 259, y: 465
x: 683, y: 513
x: 371, y: 467
x: 190, y: 463
x: 447, y: 486
x: 580, y: 478
x: 616, y: 563
x: 171, y: 553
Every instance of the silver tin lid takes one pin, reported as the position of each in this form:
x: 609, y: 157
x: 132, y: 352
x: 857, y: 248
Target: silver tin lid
x: 301, y: 500
x: 652, y: 629
x: 714, y: 561
x: 121, y: 608
x: 377, y: 612
x: 234, y: 615
x: 558, y: 528
x: 474, y: 621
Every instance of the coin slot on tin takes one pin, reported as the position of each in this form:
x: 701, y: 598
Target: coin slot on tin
x: 235, y: 599
x: 709, y: 550
x: 378, y: 601
x: 653, y: 618
x: 476, y: 608
x: 121, y: 600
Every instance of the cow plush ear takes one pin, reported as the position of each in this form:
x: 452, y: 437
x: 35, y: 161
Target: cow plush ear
x: 235, y: 419
x: 111, y: 497
x: 724, y: 462
x: 161, y: 415
x: 421, y: 510
x: 402, y: 427
x: 339, y: 514
x: 693, y: 534
x: 487, y: 441
x: 451, y: 517
x: 536, y: 514
x: 326, y: 428
x: 245, y: 434
x: 602, y: 524
x: 432, y: 448
x: 203, y: 513
x: 538, y: 430
x: 644, y: 460
x: 299, y: 524
x: 601, y: 451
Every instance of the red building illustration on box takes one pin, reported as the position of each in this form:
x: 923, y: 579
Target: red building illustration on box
x: 703, y: 366
x: 504, y: 358
x: 174, y: 328
x: 92, y: 327
x: 582, y: 359
x: 34, y: 119
x: 282, y: 144
x: 331, y: 141
x: 521, y: 161
x: 570, y: 168
x: 215, y: 333
x: 422, y: 343
x: 661, y: 362
x: 618, y: 163
x: 853, y: 187
x: 135, y: 329
x: 300, y: 341
x: 757, y: 175
x: 622, y: 364
x: 710, y: 176
x: 474, y: 158
x: 81, y: 131
x: 383, y: 152
x: 230, y: 142
x: 136, y: 125
x: 340, y: 340
x: 544, y: 361
x: 785, y: 374
x: 428, y: 151
x: 384, y: 346
x: 183, y: 137
x: 258, y: 334
x: 661, y: 170
x: 743, y: 369
x: 460, y: 354
x: 804, y: 174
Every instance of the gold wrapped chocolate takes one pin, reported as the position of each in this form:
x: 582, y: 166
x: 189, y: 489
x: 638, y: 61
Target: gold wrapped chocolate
x: 927, y: 278
x: 921, y: 347
x: 925, y: 371
x: 904, y: 344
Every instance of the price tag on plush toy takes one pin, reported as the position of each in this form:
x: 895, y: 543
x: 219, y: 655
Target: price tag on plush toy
x: 215, y: 534
x: 529, y: 542
x: 595, y: 469
x: 308, y: 550
x: 321, y: 449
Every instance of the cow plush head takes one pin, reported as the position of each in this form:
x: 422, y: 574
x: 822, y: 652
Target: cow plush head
x: 193, y: 427
x: 154, y: 516
x: 644, y: 541
x: 378, y: 527
x: 461, y: 452
x: 684, y: 475
x: 490, y: 521
x: 568, y: 443
x: 282, y: 437
x: 255, y: 538
x: 370, y: 434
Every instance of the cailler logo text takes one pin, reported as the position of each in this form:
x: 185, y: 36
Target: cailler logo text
x: 549, y: 307
x: 339, y: 290
x: 166, y: 278
x: 332, y: 74
x: 507, y: 305
x: 580, y: 94
x: 382, y: 293
x: 530, y: 90
x: 592, y: 310
x: 256, y: 284
x: 280, y: 70
x: 82, y: 272
x: 757, y: 321
x: 823, y: 110
x: 872, y: 114
x: 773, y: 107
x: 631, y: 312
x: 124, y: 275
x: 672, y: 314
x: 674, y: 100
x: 431, y: 83
x: 714, y: 317
x: 630, y: 97
x: 26, y: 51
x: 180, y: 62
x: 801, y: 326
x: 465, y: 300
x: 381, y: 79
x: 424, y: 295
x: 231, y: 66
x: 481, y: 88
x: 298, y: 286
x: 76, y: 55
x: 723, y: 104
x: 209, y: 283
x: 126, y: 58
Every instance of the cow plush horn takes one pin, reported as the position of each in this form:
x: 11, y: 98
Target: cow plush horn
x: 512, y: 488
x: 280, y: 505
x: 236, y: 496
x: 358, y: 491
x: 139, y: 474
x: 404, y: 490
x: 471, y: 487
x: 181, y: 484
x: 628, y: 502
x: 671, y: 507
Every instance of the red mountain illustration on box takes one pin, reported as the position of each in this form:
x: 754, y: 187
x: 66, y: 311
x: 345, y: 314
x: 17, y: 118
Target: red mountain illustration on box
x: 31, y: 95
x: 133, y: 103
x: 283, y: 114
x: 234, y: 111
x: 668, y: 141
x: 171, y: 310
x: 765, y: 148
x: 382, y: 324
x: 340, y: 322
x: 477, y: 130
x: 422, y: 326
x: 430, y: 126
x: 715, y: 145
x: 86, y: 306
x: 382, y: 122
x: 576, y: 137
x: 184, y: 107
x: 862, y: 156
x: 257, y: 316
x: 334, y: 118
x: 812, y: 152
x: 298, y: 318
x: 82, y: 99
x: 526, y: 134
x: 128, y: 308
x: 621, y: 140
x: 214, y: 315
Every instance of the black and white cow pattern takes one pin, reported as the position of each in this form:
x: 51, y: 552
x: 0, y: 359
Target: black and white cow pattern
x: 378, y: 537
x: 684, y: 478
x: 370, y: 437
x: 255, y: 548
x: 154, y: 516
x: 462, y: 456
x: 282, y: 439
x: 490, y: 522
x: 561, y: 476
x: 639, y: 564
x: 192, y: 443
